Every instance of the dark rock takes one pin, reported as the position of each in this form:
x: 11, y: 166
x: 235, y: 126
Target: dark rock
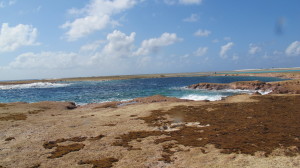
x: 71, y: 106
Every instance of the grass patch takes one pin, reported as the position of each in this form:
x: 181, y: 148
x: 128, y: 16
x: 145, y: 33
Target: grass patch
x: 63, y: 150
x: 52, y: 144
x: 102, y: 163
x: 10, y: 138
x: 3, y: 105
x: 13, y: 117
x: 35, y: 111
x: 266, y: 125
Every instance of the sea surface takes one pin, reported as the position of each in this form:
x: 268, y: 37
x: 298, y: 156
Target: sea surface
x: 83, y: 92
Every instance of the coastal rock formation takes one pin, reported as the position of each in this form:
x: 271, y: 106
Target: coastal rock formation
x: 284, y: 87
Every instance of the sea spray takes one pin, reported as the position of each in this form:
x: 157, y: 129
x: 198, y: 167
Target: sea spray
x: 33, y: 85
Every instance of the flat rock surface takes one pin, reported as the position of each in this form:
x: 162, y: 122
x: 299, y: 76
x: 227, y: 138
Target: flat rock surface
x: 241, y: 131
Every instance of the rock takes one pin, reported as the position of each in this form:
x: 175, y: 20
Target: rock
x: 71, y: 106
x: 284, y: 87
x: 249, y: 85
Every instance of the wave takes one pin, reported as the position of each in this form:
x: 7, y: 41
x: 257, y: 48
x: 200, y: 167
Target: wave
x: 265, y: 92
x: 34, y: 85
x: 203, y: 97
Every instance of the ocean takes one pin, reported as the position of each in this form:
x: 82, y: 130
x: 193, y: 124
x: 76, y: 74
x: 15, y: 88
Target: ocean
x: 84, y: 92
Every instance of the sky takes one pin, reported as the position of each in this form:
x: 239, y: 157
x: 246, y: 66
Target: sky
x: 56, y: 39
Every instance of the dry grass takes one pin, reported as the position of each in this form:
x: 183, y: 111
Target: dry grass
x: 101, y: 163
x: 247, y: 128
x: 63, y: 150
x: 13, y: 117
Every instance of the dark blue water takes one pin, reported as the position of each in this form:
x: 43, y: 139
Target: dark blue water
x: 101, y: 91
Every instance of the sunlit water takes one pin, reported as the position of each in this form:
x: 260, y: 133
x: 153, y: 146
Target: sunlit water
x: 83, y: 92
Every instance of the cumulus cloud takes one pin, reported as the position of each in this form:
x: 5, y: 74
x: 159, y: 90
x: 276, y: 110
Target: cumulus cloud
x: 12, y: 38
x: 92, y: 46
x: 154, y: 44
x: 225, y: 48
x: 293, y: 49
x: 201, y: 51
x: 95, y: 16
x: 192, y: 18
x: 202, y: 33
x: 117, y: 54
x: 254, y: 49
x: 190, y: 2
x: 48, y: 60
x: 119, y: 45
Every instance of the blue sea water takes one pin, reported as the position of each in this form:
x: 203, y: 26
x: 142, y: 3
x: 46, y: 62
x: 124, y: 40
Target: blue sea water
x: 83, y: 92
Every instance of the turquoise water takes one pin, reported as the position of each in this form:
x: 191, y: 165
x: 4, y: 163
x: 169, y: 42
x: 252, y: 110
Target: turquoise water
x: 83, y: 92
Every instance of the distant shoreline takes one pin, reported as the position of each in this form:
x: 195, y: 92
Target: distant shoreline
x: 280, y: 72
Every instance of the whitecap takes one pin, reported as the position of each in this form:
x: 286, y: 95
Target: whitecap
x: 265, y: 92
x: 34, y: 85
x: 202, y: 97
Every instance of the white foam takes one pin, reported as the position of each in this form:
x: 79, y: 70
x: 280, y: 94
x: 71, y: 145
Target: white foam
x: 265, y: 92
x: 34, y: 85
x: 201, y: 97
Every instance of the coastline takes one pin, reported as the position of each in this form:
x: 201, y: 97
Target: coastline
x: 156, y: 131
x: 291, y: 73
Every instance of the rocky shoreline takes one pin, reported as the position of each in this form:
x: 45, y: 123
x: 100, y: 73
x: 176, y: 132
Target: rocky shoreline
x: 284, y: 87
x: 157, y: 131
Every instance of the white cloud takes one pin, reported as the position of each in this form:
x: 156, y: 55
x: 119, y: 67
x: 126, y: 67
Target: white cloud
x: 12, y: 38
x: 293, y: 49
x: 202, y: 33
x: 254, y: 49
x: 192, y: 18
x: 170, y: 2
x: 97, y: 15
x: 115, y: 55
x: 190, y: 2
x: 92, y: 46
x: 48, y: 60
x: 119, y: 45
x: 201, y: 51
x: 184, y: 2
x: 225, y: 48
x: 154, y: 44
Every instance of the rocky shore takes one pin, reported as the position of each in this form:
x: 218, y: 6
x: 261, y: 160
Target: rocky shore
x: 240, y: 131
x: 284, y: 87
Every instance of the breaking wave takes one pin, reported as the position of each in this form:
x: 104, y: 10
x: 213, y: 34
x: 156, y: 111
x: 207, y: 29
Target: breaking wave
x: 34, y: 85
x: 203, y: 97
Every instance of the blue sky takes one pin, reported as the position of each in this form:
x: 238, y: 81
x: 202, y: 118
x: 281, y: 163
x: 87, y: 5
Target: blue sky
x: 55, y: 39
